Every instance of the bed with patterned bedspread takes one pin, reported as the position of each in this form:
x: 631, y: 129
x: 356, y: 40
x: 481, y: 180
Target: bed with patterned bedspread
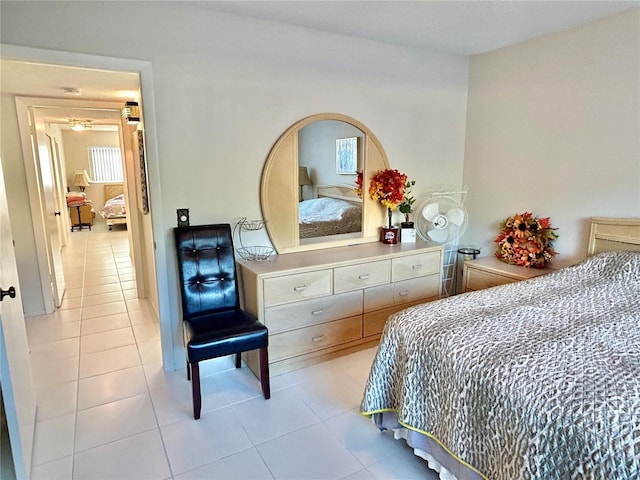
x: 544, y: 385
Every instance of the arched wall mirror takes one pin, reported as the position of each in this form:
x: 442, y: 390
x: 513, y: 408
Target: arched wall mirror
x: 308, y: 184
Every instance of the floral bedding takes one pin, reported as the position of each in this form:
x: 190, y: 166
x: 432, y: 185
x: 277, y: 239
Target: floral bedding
x: 531, y: 380
x: 114, y: 207
x: 328, y: 216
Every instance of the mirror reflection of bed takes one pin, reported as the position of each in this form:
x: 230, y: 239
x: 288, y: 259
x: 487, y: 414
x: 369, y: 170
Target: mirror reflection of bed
x: 336, y: 210
x: 328, y: 203
x: 114, y: 211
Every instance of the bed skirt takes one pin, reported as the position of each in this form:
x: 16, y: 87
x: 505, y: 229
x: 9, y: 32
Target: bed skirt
x: 437, y: 457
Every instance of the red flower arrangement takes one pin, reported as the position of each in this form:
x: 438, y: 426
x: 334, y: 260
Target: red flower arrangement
x: 358, y: 188
x: 387, y: 187
x: 526, y: 240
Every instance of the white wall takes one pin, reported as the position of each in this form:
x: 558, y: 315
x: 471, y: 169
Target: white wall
x: 317, y: 151
x: 553, y: 128
x: 226, y: 88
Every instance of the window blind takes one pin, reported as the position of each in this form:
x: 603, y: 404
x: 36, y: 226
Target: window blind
x: 105, y: 164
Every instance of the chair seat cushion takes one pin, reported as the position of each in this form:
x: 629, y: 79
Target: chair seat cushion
x: 223, y: 333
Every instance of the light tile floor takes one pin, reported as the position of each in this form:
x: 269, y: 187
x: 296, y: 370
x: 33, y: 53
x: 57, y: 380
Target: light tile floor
x: 108, y: 410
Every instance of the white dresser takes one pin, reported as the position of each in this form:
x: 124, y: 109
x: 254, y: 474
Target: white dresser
x: 324, y: 303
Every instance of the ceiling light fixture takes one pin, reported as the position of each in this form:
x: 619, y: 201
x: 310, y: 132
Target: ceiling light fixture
x: 131, y: 112
x: 79, y: 125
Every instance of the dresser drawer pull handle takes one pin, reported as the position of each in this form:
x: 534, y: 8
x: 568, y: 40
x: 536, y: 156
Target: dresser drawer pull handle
x: 417, y: 266
x: 299, y: 289
x: 404, y: 293
x: 364, y: 276
x: 317, y: 312
x: 318, y: 338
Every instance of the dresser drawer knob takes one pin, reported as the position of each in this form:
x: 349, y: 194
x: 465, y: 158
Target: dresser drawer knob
x: 300, y: 288
x: 317, y: 312
x: 364, y: 276
x: 318, y: 338
x: 404, y: 293
x: 417, y: 266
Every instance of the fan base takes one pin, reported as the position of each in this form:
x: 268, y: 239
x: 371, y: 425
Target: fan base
x: 389, y: 236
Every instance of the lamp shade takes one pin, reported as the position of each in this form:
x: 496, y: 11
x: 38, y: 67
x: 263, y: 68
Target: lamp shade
x: 303, y: 176
x: 81, y: 179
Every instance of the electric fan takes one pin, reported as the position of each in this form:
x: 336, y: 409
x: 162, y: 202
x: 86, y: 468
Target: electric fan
x: 440, y: 219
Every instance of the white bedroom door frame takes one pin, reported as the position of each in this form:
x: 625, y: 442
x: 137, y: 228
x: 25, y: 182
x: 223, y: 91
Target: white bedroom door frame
x: 40, y: 173
x: 159, y: 239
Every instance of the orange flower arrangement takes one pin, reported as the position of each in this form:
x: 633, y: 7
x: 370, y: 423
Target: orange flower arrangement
x: 526, y: 240
x: 387, y: 187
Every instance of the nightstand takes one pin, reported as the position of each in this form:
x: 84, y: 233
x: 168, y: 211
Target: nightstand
x: 488, y: 272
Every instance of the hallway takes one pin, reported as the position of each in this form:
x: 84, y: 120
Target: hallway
x: 89, y: 356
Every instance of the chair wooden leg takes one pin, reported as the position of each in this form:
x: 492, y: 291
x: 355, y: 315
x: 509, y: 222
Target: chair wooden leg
x: 188, y: 370
x: 195, y: 389
x: 238, y: 360
x: 264, y: 373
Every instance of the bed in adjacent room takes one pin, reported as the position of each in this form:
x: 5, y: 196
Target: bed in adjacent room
x: 531, y: 380
x: 336, y: 210
x: 114, y: 211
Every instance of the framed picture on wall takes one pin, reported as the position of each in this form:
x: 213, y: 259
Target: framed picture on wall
x: 347, y: 156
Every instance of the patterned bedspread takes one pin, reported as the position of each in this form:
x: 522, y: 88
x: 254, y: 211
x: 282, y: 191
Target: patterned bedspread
x: 531, y: 380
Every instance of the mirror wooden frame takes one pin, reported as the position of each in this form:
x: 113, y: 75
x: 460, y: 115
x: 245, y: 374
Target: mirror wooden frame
x: 279, y: 190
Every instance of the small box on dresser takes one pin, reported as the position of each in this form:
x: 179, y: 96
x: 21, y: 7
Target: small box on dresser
x: 324, y: 303
x: 489, y: 272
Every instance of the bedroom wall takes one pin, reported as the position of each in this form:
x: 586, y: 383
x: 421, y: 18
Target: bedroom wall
x: 317, y: 151
x: 225, y: 88
x: 77, y: 158
x: 553, y: 128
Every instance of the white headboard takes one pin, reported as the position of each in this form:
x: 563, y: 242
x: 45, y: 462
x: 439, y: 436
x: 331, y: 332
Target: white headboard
x: 609, y: 234
x: 343, y: 192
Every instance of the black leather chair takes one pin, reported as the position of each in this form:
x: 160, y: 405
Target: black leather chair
x: 213, y: 323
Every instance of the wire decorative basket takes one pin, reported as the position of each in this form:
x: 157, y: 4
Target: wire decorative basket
x: 251, y: 225
x: 256, y: 253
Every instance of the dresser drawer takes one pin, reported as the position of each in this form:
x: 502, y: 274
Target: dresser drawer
x: 478, y: 280
x: 296, y: 287
x: 361, y: 275
x: 401, y: 292
x: 412, y: 266
x: 374, y: 322
x: 316, y: 337
x: 313, y: 311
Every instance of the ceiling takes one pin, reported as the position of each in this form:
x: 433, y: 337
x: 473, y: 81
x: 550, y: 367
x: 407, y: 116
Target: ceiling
x: 455, y: 27
x: 448, y: 26
x: 55, y: 81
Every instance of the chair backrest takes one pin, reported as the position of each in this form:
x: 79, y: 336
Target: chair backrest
x: 207, y: 269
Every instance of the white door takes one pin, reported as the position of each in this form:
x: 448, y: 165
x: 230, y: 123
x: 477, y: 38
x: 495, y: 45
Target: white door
x: 15, y: 366
x: 58, y: 193
x: 44, y: 163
